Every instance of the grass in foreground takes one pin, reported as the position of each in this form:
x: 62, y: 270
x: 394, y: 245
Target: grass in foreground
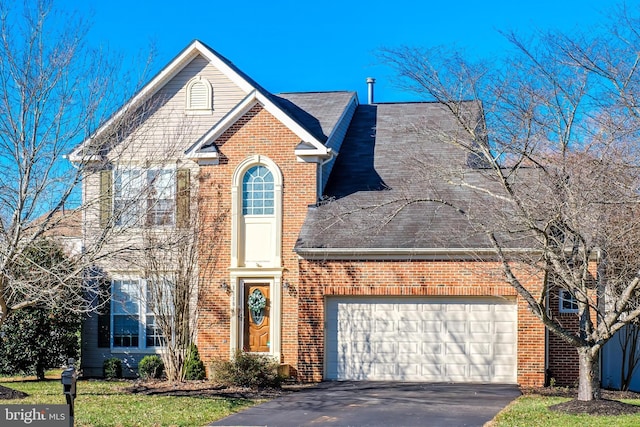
x: 532, y: 410
x: 104, y: 403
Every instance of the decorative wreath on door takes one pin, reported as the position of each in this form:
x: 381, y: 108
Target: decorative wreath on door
x: 257, y: 301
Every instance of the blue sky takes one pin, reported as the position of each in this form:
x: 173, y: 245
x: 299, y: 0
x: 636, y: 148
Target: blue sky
x: 289, y: 46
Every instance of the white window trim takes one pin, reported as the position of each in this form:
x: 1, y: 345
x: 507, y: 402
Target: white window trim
x: 142, y: 319
x: 236, y: 206
x: 238, y: 280
x: 208, y: 108
x: 142, y: 198
x: 565, y: 296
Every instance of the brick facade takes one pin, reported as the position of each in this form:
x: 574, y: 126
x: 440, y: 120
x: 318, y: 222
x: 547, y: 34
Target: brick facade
x: 258, y: 132
x: 408, y: 278
x: 315, y: 126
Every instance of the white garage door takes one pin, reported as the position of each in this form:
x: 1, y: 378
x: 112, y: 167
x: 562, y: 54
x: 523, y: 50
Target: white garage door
x: 421, y: 339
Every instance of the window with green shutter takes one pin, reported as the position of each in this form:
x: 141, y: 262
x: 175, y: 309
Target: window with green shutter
x: 145, y: 197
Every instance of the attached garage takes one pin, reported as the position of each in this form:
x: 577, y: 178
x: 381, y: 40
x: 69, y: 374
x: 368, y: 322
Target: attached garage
x: 453, y: 339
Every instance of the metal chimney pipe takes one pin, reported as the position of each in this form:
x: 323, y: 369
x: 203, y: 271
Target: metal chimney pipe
x: 370, y: 82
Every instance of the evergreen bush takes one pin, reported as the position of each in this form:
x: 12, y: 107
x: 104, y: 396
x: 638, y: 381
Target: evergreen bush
x: 151, y: 367
x: 112, y: 368
x: 193, y: 366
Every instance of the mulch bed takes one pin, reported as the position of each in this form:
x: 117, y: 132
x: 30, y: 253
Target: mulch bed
x: 608, y: 405
x: 7, y: 393
x: 202, y: 389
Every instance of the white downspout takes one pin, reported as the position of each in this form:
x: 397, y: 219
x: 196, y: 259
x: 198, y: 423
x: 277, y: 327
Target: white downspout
x: 319, y: 189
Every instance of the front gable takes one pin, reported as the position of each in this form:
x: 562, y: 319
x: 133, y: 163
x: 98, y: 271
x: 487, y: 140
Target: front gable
x: 188, y: 104
x: 310, y: 148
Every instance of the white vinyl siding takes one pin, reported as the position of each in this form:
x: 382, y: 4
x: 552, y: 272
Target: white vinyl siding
x: 167, y: 129
x: 421, y: 339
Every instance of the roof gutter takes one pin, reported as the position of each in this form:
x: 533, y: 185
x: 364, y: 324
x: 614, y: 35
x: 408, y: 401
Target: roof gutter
x: 402, y: 253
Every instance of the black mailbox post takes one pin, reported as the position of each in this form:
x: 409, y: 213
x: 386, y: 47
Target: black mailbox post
x: 68, y: 378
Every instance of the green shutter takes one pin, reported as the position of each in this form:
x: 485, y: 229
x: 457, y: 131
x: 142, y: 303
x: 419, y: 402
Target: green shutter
x: 104, y: 315
x: 182, y: 198
x: 106, y: 197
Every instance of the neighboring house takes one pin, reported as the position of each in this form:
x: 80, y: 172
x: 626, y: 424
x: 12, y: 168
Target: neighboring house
x: 65, y: 227
x: 350, y: 292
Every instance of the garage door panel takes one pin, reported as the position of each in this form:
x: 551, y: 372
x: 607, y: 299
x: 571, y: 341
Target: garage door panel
x: 421, y: 339
x: 474, y: 338
x: 407, y: 348
x: 453, y: 349
x: 480, y: 371
x: 384, y: 325
x: 434, y: 347
x: 480, y: 327
x: 507, y: 349
x: 504, y: 327
x: 503, y: 370
x: 479, y: 349
x: 408, y: 325
x: 386, y: 348
x: 456, y: 325
x: 384, y: 307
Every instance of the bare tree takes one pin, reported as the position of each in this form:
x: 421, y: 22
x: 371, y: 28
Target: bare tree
x: 54, y: 91
x: 171, y: 260
x: 557, y: 167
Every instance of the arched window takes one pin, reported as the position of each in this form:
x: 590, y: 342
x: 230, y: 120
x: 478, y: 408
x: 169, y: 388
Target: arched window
x: 258, y: 197
x: 199, y: 97
x: 256, y: 213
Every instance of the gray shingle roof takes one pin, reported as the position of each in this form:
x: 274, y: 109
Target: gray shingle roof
x: 393, y: 158
x: 318, y: 112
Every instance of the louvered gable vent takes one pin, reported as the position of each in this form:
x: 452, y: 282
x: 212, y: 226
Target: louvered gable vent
x: 199, y: 94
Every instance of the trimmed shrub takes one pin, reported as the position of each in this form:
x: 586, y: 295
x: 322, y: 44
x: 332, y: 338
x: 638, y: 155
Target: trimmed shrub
x: 112, y: 368
x: 247, y: 370
x: 194, y: 367
x: 151, y: 367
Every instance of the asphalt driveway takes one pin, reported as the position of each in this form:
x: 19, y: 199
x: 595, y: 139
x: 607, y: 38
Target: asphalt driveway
x: 380, y: 404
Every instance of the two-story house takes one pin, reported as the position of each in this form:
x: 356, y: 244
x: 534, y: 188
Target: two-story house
x: 309, y: 261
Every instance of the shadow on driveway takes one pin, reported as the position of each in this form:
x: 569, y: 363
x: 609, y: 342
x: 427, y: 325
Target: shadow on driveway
x: 386, y: 404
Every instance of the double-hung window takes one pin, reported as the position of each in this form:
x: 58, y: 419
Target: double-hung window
x: 161, y: 197
x: 145, y: 197
x: 126, y: 300
x: 132, y: 315
x: 128, y: 191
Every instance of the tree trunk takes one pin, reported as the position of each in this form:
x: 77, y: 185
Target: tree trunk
x: 589, y: 379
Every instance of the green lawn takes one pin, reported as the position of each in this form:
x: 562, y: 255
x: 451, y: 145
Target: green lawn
x: 103, y: 403
x: 531, y: 410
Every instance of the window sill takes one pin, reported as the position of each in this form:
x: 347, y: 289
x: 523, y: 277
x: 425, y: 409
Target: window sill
x: 134, y: 350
